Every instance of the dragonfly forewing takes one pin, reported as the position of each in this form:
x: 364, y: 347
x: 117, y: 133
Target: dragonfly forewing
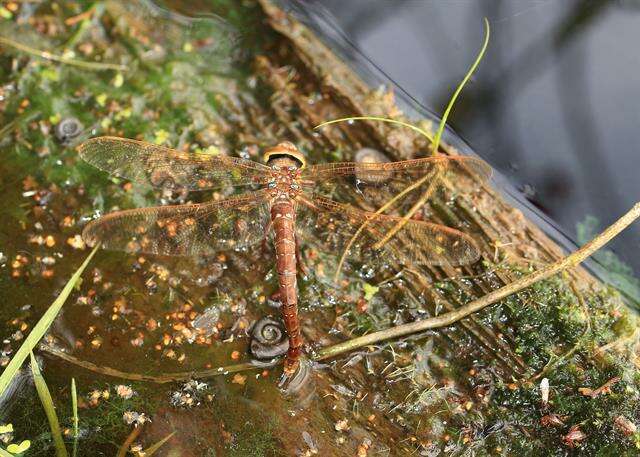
x: 159, y: 166
x: 374, y: 184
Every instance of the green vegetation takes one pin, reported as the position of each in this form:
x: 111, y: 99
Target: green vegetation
x: 49, y: 408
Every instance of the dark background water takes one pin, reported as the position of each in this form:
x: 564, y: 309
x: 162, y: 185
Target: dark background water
x: 554, y: 105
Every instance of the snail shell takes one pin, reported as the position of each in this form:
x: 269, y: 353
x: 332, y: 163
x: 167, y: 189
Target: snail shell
x: 68, y: 128
x: 268, y: 339
x: 370, y: 155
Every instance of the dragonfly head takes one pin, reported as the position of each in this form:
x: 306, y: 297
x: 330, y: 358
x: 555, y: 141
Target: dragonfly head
x: 285, y: 154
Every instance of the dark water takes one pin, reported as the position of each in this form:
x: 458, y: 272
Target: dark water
x: 553, y: 105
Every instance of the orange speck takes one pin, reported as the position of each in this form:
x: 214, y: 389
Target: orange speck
x: 239, y: 379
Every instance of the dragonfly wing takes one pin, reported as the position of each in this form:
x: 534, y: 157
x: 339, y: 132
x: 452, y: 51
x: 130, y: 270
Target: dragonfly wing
x: 160, y: 166
x: 343, y: 230
x: 374, y: 184
x: 184, y: 230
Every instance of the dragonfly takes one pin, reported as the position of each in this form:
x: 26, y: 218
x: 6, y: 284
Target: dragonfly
x: 287, y: 200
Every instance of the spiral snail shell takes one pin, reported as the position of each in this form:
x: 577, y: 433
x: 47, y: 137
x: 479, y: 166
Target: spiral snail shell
x: 268, y: 339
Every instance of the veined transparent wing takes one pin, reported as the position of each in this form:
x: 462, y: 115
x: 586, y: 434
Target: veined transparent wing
x: 375, y: 184
x: 160, y: 166
x: 184, y: 230
x: 351, y: 234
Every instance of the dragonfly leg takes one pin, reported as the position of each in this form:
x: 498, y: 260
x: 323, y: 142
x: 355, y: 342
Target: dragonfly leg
x: 265, y: 239
x: 300, y: 264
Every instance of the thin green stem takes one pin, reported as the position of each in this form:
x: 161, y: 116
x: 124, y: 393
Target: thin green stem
x: 74, y: 407
x: 379, y: 119
x: 49, y: 408
x: 61, y: 59
x: 454, y: 97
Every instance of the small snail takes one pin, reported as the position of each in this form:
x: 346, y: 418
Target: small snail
x: 68, y: 128
x: 370, y: 155
x: 268, y: 339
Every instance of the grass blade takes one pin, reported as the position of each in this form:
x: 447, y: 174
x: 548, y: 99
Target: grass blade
x: 454, y: 97
x: 40, y: 328
x: 74, y: 407
x: 49, y: 409
x: 378, y: 119
x: 154, y: 447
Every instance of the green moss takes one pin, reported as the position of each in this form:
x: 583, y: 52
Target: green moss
x: 549, y: 323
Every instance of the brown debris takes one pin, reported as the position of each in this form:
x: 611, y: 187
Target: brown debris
x: 574, y: 437
x: 602, y: 390
x: 625, y: 426
x: 551, y: 420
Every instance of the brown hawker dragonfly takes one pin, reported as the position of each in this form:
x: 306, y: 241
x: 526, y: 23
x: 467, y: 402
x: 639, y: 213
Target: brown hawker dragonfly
x: 289, y: 200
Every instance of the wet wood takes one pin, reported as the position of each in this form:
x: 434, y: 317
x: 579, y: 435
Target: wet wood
x: 501, y: 230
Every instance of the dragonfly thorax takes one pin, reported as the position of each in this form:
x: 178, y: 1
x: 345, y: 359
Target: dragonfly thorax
x: 284, y: 183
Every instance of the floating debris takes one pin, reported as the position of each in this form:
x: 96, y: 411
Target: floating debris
x: 207, y: 321
x: 96, y: 395
x: 308, y: 439
x: 76, y: 242
x: 342, y: 425
x: 602, y: 390
x: 6, y: 433
x: 125, y: 392
x: 363, y: 447
x: 239, y: 379
x: 135, y: 418
x: 574, y: 437
x: 192, y: 393
x: 625, y: 426
x: 551, y: 420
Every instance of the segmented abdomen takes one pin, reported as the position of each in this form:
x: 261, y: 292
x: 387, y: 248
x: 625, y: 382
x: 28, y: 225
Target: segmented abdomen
x: 283, y: 220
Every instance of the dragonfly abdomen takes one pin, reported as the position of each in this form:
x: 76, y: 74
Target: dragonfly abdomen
x: 283, y: 223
